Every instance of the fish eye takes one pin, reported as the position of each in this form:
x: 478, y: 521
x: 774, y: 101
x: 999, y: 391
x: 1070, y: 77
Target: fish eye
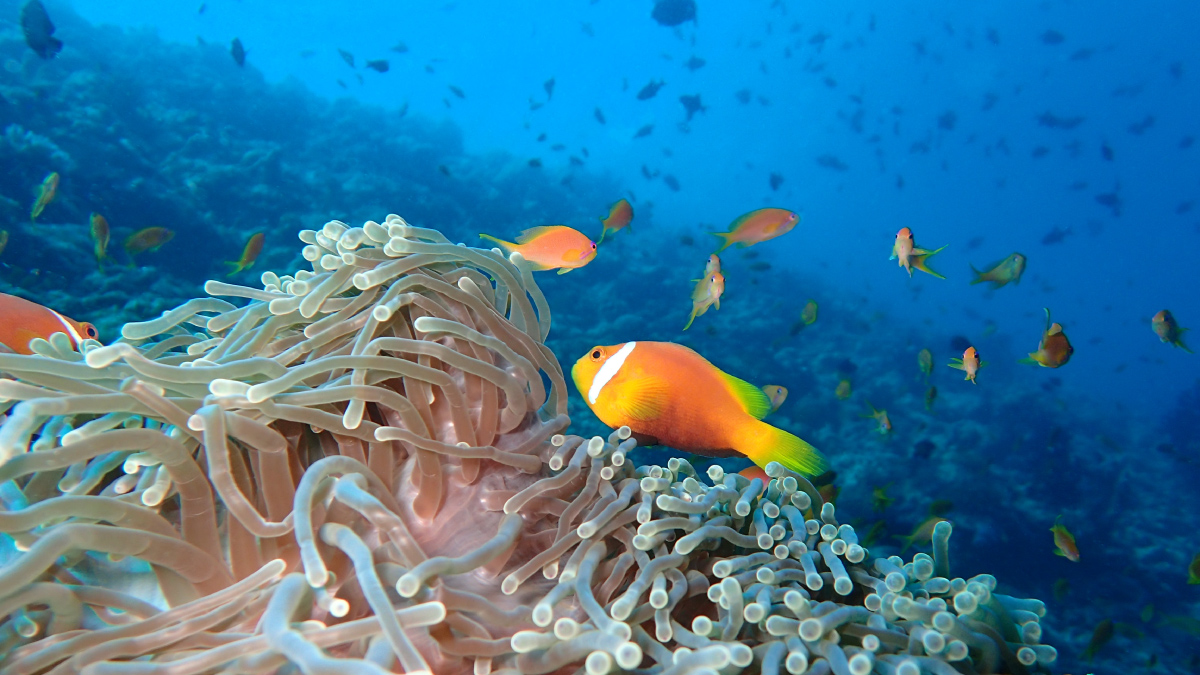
x: 90, y: 330
x: 596, y: 354
x: 593, y: 245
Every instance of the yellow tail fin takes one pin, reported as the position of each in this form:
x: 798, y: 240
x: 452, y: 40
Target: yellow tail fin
x: 726, y: 239
x: 763, y: 444
x: 920, y: 261
x: 508, y: 246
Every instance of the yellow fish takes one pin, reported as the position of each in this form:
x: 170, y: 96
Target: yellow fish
x: 880, y: 416
x: 1064, y: 541
x: 776, y: 394
x: 843, y: 390
x: 254, y: 246
x: 147, y: 239
x: 1003, y: 272
x: 3, y: 240
x: 1054, y: 350
x: 809, y: 314
x: 707, y: 294
x: 46, y: 192
x: 922, y: 534
x: 907, y: 255
x: 551, y: 247
x: 100, y: 237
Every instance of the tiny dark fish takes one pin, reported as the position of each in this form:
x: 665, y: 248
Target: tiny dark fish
x: 238, y: 52
x: 695, y: 63
x: 1112, y: 200
x: 1053, y: 37
x: 831, y: 162
x: 923, y: 449
x: 403, y: 109
x: 600, y: 116
x: 1052, y: 121
x: 535, y: 105
x: 989, y: 101
x: 671, y: 182
x: 541, y: 137
x: 558, y: 147
x: 346, y: 56
x: 1056, y: 236
x: 575, y: 161
x: 341, y: 84
x: 39, y: 30
x: 650, y: 90
x: 947, y: 120
x: 760, y: 266
x: 400, y: 48
x: 203, y: 6
x: 650, y: 175
x: 1184, y: 207
x: 673, y: 12
x: 587, y: 29
x: 1040, y: 151
x: 1083, y: 54
x: 1186, y: 142
x: 535, y: 163
x: 548, y: 85
x: 742, y: 95
x: 456, y: 91
x: 1077, y: 186
x: 775, y: 180
x: 445, y: 171
x: 1139, y: 128
x: 993, y: 36
x: 644, y: 131
x: 692, y: 105
x: 1106, y: 152
x: 585, y: 152
x: 378, y: 65
x: 1176, y: 70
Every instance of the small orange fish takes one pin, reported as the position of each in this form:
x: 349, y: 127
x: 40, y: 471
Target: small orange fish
x: 1064, y: 541
x: 147, y: 239
x: 907, y: 255
x: 1168, y: 330
x: 843, y: 390
x: 620, y: 215
x: 22, y: 321
x: 880, y: 416
x: 1003, y: 272
x: 46, y: 192
x: 670, y: 395
x: 254, y: 246
x: 1054, y: 350
x: 969, y: 363
x: 921, y: 534
x: 551, y: 247
x: 706, y: 294
x: 776, y: 394
x: 100, y: 237
x: 758, y: 226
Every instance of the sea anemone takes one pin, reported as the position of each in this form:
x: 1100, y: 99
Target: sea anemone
x: 362, y: 469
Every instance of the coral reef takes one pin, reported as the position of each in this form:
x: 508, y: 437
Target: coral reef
x: 363, y: 468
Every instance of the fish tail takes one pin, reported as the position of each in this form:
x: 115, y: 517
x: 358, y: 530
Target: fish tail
x: 979, y: 276
x: 1030, y: 360
x: 691, y: 318
x: 764, y: 444
x: 237, y: 266
x: 921, y: 263
x: 603, y: 234
x: 726, y: 239
x: 508, y: 246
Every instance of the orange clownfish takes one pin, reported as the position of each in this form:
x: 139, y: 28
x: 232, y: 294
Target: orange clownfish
x: 1054, y: 350
x: 254, y: 246
x: 551, y: 247
x: 1003, y: 272
x: 758, y: 226
x: 707, y: 294
x: 620, y: 215
x: 668, y: 394
x: 969, y: 363
x: 1168, y: 330
x: 22, y: 321
x: 907, y: 255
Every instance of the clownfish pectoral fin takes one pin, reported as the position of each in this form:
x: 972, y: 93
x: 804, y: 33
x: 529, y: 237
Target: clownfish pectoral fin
x: 642, y: 399
x: 753, y: 399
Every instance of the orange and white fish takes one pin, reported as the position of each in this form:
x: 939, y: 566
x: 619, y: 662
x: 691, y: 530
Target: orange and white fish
x: 620, y: 215
x: 907, y: 255
x: 758, y: 226
x: 551, y: 247
x: 254, y: 246
x: 881, y: 417
x: 1054, y: 350
x: 1168, y: 330
x: 46, y: 192
x: 100, y: 237
x: 1064, y: 541
x: 668, y: 394
x: 22, y: 321
x: 707, y: 294
x: 1008, y: 270
x: 969, y: 363
x: 776, y: 394
x: 147, y: 239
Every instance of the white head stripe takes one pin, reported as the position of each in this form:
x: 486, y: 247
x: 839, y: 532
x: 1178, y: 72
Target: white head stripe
x: 70, y: 330
x: 610, y: 368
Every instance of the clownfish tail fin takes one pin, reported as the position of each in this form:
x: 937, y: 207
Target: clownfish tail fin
x: 763, y: 444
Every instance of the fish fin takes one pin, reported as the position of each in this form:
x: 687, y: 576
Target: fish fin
x: 726, y: 240
x: 978, y: 276
x: 957, y: 363
x: 603, y: 233
x: 1029, y: 361
x: 237, y: 267
x: 691, y: 318
x: 642, y: 399
x: 753, y: 399
x: 919, y: 262
x: 532, y: 233
x: 1048, y: 322
x: 717, y: 303
x: 765, y: 444
x: 564, y: 270
x: 508, y: 246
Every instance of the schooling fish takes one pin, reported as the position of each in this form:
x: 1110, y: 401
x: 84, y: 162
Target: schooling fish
x: 147, y: 239
x: 650, y: 90
x: 551, y: 247
x: 46, y: 192
x: 1064, y: 541
x: 22, y: 321
x: 757, y: 226
x: 969, y: 363
x: 921, y: 534
x: 1100, y: 637
x: 843, y: 390
x: 100, y: 237
x: 930, y: 397
x: 881, y: 417
x: 707, y: 293
x: 670, y: 395
x: 1168, y: 330
x: 238, y: 52
x: 254, y: 246
x: 907, y: 255
x: 1054, y: 350
x: 1003, y: 272
x: 925, y: 363
x: 777, y: 395
x: 379, y: 65
x: 620, y: 215
x: 39, y: 30
x: 692, y: 105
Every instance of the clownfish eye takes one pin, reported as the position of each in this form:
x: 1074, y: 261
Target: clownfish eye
x: 596, y: 354
x: 90, y: 330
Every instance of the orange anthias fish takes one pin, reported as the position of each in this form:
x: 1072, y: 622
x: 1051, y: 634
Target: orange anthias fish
x: 1003, y: 272
x: 22, y: 321
x: 254, y: 246
x: 147, y: 239
x: 908, y: 256
x: 46, y: 192
x: 1064, y: 541
x: 670, y: 395
x: 100, y: 237
x: 551, y: 247
x: 776, y: 394
x: 1054, y: 350
x: 620, y: 215
x: 969, y: 363
x: 880, y: 416
x: 922, y: 534
x: 706, y: 294
x: 758, y: 226
x: 1167, y: 330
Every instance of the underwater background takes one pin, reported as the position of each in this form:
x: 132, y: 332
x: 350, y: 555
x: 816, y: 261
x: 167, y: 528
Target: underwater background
x: 1061, y: 130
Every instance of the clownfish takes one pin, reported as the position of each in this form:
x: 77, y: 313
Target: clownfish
x: 969, y: 363
x: 551, y: 247
x: 669, y: 395
x: 620, y: 215
x: 22, y: 321
x: 758, y: 226
x: 907, y: 255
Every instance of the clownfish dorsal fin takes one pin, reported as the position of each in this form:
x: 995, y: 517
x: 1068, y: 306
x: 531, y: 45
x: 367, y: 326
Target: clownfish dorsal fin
x: 753, y: 399
x: 642, y: 398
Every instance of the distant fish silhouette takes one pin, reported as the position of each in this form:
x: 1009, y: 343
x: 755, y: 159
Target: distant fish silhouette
x: 347, y: 57
x: 692, y: 105
x: 1056, y: 236
x: 671, y: 182
x: 39, y: 30
x: 650, y: 90
x: 673, y: 12
x: 548, y: 85
x: 1053, y: 37
x: 1048, y: 119
x: 831, y: 162
x: 378, y: 65
x: 1106, y: 152
x: 600, y: 116
x: 400, y: 48
x: 742, y: 95
x: 238, y: 52
x: 776, y: 180
x: 695, y: 63
x: 456, y: 91
x: 644, y: 131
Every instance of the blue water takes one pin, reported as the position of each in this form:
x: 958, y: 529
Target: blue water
x: 936, y: 115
